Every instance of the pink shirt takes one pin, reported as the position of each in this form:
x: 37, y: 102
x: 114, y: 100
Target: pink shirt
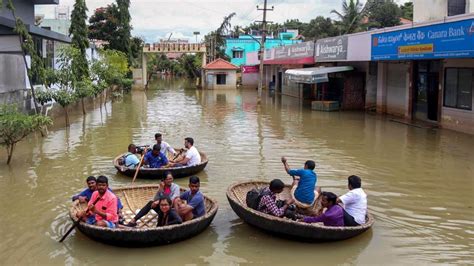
x: 107, y: 204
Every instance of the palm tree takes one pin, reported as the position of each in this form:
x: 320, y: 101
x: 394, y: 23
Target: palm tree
x: 351, y: 17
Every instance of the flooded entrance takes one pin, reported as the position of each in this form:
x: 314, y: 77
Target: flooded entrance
x: 419, y: 182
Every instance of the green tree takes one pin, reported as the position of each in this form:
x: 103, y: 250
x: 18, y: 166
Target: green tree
x: 124, y: 28
x: 15, y: 126
x: 407, y: 10
x: 319, y: 28
x: 384, y: 14
x: 351, y: 17
x: 215, y: 40
x: 79, y: 32
x: 65, y: 79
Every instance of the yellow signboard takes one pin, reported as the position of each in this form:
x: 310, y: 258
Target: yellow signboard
x: 416, y: 49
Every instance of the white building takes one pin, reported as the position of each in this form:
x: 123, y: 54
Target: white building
x: 427, y: 10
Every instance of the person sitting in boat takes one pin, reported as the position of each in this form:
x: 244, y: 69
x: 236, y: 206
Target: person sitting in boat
x: 155, y: 158
x: 164, y: 146
x: 191, y: 203
x: 162, y: 206
x: 167, y: 189
x: 303, y: 187
x: 355, y: 202
x: 86, y: 194
x: 104, y: 211
x: 334, y: 215
x: 192, y: 156
x: 268, y: 202
x: 130, y: 159
x: 167, y: 215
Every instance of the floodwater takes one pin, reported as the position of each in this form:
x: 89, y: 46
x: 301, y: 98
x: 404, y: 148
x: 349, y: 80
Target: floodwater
x: 419, y: 181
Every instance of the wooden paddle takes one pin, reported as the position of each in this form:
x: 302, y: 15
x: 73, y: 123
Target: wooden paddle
x: 139, y: 165
x: 77, y: 222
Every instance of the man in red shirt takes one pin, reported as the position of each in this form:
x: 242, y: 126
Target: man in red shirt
x: 104, y: 211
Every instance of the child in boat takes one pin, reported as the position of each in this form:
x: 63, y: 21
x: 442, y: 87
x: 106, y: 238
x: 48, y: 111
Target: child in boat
x: 303, y: 188
x: 102, y: 207
x: 191, y: 203
x: 355, y: 202
x: 334, y: 215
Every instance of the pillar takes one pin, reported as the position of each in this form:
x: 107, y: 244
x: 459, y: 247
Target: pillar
x: 203, y: 78
x: 144, y: 70
x: 382, y: 87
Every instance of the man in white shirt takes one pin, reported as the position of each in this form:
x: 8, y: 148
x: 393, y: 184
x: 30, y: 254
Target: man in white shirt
x: 355, y: 202
x: 192, y: 156
x: 165, y: 148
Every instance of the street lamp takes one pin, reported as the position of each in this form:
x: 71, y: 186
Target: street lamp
x: 260, y: 55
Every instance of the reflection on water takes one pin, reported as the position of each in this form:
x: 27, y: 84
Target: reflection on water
x: 419, y: 182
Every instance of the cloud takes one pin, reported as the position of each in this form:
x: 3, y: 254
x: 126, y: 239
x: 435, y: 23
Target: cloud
x: 155, y: 19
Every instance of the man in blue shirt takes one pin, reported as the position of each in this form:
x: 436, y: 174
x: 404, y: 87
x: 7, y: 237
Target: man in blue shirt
x: 304, y: 185
x: 130, y: 159
x: 194, y: 205
x: 155, y: 158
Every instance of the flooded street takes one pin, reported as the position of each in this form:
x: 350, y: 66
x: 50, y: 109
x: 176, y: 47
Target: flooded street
x: 420, y: 182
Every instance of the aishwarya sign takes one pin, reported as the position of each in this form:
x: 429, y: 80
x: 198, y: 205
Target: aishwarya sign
x: 300, y: 50
x: 330, y: 49
x: 447, y: 40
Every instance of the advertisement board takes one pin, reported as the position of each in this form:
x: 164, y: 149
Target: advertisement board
x: 447, y: 40
x: 331, y: 49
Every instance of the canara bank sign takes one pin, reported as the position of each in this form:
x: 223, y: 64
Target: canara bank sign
x: 447, y: 40
x: 331, y: 49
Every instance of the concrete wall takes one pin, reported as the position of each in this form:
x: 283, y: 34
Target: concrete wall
x: 426, y: 10
x: 24, y: 9
x: 452, y: 118
x: 250, y: 80
x: 231, y: 79
x: 397, y: 89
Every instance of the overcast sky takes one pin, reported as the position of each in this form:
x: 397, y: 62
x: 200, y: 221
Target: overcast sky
x: 155, y: 19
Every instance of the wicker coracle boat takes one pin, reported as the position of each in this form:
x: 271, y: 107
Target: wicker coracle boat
x: 146, y: 233
x: 158, y: 173
x: 284, y: 227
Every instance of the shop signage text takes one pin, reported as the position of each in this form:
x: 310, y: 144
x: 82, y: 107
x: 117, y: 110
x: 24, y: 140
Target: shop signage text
x: 448, y: 40
x: 331, y: 49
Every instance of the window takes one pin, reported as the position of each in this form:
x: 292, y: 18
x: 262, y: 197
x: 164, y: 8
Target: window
x: 458, y: 86
x: 220, y: 79
x: 237, y: 54
x: 456, y: 7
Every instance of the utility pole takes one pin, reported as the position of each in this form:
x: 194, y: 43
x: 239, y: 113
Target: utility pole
x: 262, y: 47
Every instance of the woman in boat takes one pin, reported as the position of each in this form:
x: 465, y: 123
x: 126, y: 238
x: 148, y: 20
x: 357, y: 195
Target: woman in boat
x: 167, y: 215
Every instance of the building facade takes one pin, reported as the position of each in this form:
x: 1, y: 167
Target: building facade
x: 238, y: 48
x: 422, y: 72
x: 440, y: 9
x: 14, y: 82
x: 220, y: 74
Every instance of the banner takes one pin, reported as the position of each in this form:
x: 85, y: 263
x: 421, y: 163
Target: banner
x: 447, y: 40
x: 250, y: 69
x: 331, y: 49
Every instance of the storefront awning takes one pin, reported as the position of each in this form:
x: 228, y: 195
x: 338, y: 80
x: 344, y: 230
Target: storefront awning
x: 314, y: 75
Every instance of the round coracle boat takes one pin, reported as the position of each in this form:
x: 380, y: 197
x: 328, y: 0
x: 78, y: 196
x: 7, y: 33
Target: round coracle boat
x: 316, y: 232
x: 146, y: 233
x: 158, y: 173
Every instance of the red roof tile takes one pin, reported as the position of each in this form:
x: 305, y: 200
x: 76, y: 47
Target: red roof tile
x: 220, y: 63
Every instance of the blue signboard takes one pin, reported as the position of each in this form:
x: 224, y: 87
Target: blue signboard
x: 447, y: 40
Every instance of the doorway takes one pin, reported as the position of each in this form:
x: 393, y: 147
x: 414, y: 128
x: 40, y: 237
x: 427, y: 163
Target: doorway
x: 425, y: 91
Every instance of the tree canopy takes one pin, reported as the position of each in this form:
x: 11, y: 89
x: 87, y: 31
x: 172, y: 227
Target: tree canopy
x: 79, y: 31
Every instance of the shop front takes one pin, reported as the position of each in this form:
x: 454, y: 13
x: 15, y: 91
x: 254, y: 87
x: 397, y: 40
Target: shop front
x: 426, y: 73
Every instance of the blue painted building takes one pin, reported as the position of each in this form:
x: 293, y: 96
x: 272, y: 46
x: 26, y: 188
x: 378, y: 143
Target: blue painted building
x: 237, y: 48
